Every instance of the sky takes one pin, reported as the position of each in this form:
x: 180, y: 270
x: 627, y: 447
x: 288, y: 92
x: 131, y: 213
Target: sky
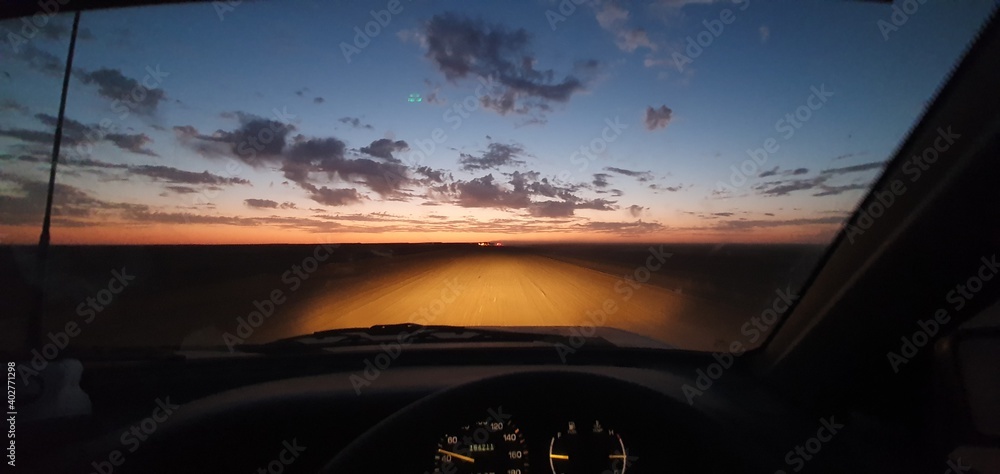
x: 452, y: 121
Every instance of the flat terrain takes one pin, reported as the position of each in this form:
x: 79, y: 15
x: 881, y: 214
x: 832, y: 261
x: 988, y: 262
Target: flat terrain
x: 693, y: 297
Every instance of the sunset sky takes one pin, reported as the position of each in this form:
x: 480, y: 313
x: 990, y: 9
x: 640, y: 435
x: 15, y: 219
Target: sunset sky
x: 465, y: 121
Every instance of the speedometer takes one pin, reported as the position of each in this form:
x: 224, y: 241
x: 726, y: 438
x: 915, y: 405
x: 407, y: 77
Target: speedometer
x: 484, y: 447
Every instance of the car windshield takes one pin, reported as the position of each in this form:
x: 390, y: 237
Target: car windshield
x: 240, y: 172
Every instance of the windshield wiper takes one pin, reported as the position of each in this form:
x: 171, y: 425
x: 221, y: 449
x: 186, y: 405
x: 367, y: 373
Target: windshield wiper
x: 406, y: 333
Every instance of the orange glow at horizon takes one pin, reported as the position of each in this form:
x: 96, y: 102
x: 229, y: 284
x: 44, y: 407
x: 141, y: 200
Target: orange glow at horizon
x: 207, y: 234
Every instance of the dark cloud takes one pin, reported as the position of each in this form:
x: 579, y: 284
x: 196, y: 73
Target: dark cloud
x: 112, y: 84
x: 75, y: 132
x: 268, y: 204
x: 319, y: 100
x: 261, y: 203
x: 498, y: 155
x: 672, y: 189
x: 770, y: 172
x: 642, y: 176
x: 136, y: 143
x: 461, y: 47
x: 384, y: 148
x: 302, y: 160
x: 334, y: 197
x: 42, y: 61
x: 776, y: 171
x: 177, y: 176
x: 876, y: 165
x: 69, y: 204
x: 636, y: 210
x: 257, y: 141
x: 486, y: 192
x: 658, y: 118
x: 182, y: 189
x: 783, y: 188
x: 29, y: 136
x: 326, y: 155
x: 355, y: 122
x: 601, y: 180
x: 434, y: 176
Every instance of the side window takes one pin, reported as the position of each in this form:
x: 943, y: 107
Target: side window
x: 32, y: 65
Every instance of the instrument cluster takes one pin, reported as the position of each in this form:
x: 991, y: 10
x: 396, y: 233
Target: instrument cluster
x: 498, y: 444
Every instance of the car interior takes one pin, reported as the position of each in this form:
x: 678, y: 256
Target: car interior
x: 886, y: 361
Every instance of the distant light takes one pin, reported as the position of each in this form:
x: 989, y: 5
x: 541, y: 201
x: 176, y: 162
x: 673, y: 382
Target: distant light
x: 414, y: 98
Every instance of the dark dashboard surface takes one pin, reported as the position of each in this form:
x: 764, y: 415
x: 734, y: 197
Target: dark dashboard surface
x: 308, y: 420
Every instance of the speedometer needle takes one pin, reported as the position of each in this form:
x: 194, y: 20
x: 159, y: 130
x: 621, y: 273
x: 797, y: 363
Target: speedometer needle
x: 457, y: 456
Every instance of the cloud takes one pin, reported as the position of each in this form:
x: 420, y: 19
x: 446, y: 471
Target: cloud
x: 658, y: 118
x: 256, y: 140
x: 783, y: 188
x: 764, y: 33
x: 384, y: 148
x: 326, y: 156
x: 461, y: 47
x: 630, y: 40
x: 498, y: 155
x: 614, y: 19
x: 776, y: 171
x: 334, y: 197
x: 136, y: 143
x: 434, y: 176
x: 182, y: 189
x: 112, y: 84
x: 178, y: 176
x: 642, y: 176
x: 304, y: 160
x: 319, y: 100
x: 42, y: 61
x: 636, y: 210
x: 877, y: 165
x: 268, y: 204
x: 601, y: 180
x: 69, y: 204
x: 486, y: 192
x: 673, y: 189
x: 75, y: 132
x: 355, y: 122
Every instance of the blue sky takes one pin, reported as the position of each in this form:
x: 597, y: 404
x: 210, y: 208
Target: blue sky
x: 172, y: 171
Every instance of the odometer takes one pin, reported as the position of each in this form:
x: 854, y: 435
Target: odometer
x: 484, y: 447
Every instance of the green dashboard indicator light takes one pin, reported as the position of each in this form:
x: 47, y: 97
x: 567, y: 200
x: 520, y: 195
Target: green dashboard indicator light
x: 415, y: 98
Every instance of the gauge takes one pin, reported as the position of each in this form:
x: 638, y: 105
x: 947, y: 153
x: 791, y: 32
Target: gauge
x: 590, y: 448
x: 484, y: 447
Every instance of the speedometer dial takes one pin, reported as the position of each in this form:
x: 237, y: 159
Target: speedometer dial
x: 484, y: 447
